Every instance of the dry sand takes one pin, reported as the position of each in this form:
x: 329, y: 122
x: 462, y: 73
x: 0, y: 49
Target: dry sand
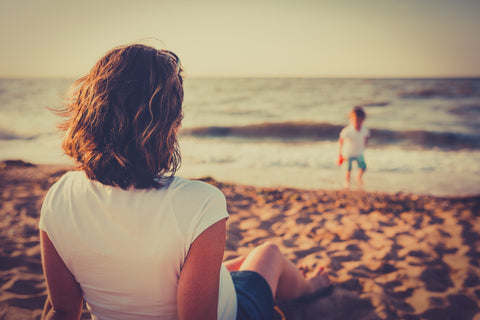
x: 391, y: 256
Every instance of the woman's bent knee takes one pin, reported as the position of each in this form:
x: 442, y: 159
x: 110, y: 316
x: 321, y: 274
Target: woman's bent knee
x: 263, y: 256
x: 270, y: 248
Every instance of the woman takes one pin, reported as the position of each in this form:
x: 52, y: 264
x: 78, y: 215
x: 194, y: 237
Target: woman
x: 126, y: 234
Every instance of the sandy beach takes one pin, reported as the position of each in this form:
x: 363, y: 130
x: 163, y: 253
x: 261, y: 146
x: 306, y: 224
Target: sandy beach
x: 390, y: 256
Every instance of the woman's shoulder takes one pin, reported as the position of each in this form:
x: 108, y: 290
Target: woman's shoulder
x: 180, y: 184
x: 195, y: 193
x: 72, y: 175
x: 60, y: 191
x: 67, y: 177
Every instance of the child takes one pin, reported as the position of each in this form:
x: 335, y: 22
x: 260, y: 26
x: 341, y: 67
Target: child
x: 125, y: 233
x: 353, y: 140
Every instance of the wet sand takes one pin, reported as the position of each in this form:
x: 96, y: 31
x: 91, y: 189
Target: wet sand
x: 390, y: 256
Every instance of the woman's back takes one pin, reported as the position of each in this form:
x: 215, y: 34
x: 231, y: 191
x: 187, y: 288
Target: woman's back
x: 126, y: 247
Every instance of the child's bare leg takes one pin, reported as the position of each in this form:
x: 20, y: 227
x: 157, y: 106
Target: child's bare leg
x: 284, y: 278
x: 234, y: 264
x: 347, y: 179
x: 359, y: 177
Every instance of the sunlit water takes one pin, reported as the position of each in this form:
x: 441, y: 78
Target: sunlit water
x: 425, y: 133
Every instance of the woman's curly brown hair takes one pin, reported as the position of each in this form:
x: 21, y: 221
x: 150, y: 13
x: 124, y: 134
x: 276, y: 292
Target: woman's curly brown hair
x: 123, y: 118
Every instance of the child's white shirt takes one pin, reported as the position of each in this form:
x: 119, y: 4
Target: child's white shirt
x: 353, y: 140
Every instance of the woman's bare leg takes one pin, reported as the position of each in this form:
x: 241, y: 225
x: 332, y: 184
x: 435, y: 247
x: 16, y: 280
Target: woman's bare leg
x: 284, y: 278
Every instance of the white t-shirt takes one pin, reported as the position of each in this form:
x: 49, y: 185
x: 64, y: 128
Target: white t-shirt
x: 126, y: 248
x: 353, y: 140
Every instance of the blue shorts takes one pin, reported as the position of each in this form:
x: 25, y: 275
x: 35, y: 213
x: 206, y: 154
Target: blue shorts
x: 254, y: 296
x: 360, y: 162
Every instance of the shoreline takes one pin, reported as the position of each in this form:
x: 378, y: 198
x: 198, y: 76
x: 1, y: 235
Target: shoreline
x: 266, y: 180
x: 390, y: 255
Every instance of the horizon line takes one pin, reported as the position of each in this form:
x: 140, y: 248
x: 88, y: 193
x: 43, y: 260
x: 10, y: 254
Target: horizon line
x: 453, y: 77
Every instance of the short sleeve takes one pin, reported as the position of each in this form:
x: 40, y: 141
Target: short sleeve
x: 43, y: 213
x: 197, y: 206
x: 52, y: 223
x: 45, y: 221
x: 215, y: 209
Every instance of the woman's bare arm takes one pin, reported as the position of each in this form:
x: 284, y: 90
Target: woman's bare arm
x: 64, y: 291
x: 198, y: 286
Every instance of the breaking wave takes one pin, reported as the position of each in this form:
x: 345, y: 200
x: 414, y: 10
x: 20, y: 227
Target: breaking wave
x: 313, y: 131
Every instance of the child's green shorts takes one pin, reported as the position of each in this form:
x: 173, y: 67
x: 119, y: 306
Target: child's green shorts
x: 360, y: 162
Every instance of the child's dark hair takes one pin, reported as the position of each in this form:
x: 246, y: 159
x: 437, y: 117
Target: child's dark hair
x: 359, y: 112
x: 123, y: 117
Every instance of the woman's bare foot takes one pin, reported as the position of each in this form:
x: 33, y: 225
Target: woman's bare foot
x: 304, y: 269
x: 318, y: 281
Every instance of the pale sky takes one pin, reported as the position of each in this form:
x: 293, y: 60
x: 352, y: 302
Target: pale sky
x: 273, y: 38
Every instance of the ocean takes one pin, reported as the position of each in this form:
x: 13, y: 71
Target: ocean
x: 282, y: 132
